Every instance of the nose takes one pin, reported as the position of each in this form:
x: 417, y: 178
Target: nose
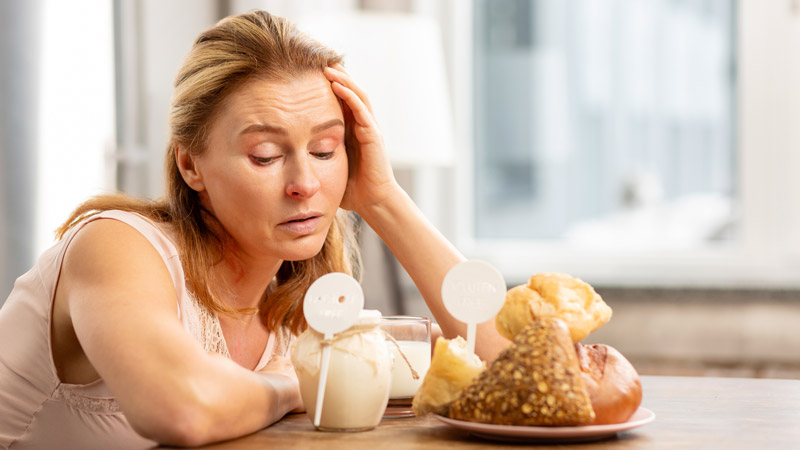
x: 302, y: 181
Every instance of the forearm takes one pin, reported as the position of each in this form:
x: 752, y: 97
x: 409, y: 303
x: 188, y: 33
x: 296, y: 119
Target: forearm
x: 219, y: 401
x: 249, y: 401
x: 427, y: 256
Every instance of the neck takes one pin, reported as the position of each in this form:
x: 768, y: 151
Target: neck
x: 245, y: 280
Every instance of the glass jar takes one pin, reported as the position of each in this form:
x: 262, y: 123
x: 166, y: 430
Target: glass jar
x: 359, y: 375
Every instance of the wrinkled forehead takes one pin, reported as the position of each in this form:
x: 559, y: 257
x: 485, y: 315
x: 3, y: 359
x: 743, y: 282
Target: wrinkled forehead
x: 292, y: 102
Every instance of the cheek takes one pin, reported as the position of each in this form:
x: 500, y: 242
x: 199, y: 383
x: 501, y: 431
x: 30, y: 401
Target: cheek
x: 221, y: 183
x: 338, y: 178
x: 234, y: 185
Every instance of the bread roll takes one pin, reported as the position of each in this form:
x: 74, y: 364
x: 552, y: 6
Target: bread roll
x: 613, y: 384
x: 453, y: 368
x: 553, y: 295
x: 535, y: 381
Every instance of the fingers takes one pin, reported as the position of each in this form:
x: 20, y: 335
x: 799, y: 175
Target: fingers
x: 279, y: 365
x: 361, y: 115
x: 337, y: 74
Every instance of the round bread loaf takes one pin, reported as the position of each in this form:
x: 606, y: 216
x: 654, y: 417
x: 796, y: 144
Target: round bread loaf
x: 611, y: 381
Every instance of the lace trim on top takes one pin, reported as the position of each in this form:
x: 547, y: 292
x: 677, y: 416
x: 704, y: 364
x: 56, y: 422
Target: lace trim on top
x: 204, y: 325
x: 85, y: 402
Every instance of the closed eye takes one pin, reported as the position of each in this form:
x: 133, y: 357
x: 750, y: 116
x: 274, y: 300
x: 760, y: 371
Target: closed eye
x: 323, y: 155
x: 263, y: 161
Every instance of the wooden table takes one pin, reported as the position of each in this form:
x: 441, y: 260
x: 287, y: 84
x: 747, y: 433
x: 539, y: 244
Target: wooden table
x: 691, y: 413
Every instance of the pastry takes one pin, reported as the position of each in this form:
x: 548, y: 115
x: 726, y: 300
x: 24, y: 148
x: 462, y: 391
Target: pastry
x: 553, y: 295
x: 453, y: 368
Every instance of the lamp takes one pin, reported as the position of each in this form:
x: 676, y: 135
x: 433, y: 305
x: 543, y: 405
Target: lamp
x: 398, y: 60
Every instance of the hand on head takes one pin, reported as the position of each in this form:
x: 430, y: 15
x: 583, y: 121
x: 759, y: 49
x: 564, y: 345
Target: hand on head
x: 371, y: 179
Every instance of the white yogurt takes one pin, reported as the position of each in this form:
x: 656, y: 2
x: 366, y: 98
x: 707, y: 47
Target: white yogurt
x: 359, y: 376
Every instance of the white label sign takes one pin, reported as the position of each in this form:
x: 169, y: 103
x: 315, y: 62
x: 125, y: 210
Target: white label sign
x: 473, y: 292
x: 333, y: 302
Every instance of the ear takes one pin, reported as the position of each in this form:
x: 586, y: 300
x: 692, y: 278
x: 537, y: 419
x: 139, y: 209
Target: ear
x: 187, y: 166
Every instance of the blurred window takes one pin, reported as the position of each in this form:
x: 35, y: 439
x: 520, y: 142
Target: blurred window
x: 605, y: 123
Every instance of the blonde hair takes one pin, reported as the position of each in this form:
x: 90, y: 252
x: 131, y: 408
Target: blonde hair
x: 236, y: 50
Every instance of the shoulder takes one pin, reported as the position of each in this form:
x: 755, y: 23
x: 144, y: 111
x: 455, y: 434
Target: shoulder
x: 157, y: 233
x: 105, y: 249
x: 106, y: 229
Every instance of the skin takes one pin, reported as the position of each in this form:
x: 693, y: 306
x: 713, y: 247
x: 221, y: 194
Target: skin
x: 276, y: 153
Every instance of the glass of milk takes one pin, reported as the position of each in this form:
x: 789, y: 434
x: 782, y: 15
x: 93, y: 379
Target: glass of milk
x: 413, y: 337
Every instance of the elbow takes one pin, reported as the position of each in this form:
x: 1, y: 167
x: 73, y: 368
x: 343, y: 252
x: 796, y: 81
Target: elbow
x: 189, y: 428
x: 184, y: 424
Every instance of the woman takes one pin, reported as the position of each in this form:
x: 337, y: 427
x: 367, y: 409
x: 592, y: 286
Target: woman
x: 170, y: 321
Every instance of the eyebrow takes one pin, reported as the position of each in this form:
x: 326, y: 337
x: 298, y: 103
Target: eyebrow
x: 262, y: 128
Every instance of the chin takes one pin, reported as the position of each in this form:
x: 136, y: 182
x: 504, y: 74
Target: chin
x: 307, y: 248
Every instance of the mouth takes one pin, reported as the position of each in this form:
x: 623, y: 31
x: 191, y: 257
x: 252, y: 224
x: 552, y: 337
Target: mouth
x: 299, y: 218
x: 301, y: 224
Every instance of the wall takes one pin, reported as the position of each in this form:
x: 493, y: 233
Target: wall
x: 705, y: 332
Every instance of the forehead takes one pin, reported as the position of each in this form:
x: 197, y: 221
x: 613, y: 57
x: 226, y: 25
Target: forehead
x: 307, y: 98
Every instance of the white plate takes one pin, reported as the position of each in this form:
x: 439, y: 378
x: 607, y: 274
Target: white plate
x: 641, y: 417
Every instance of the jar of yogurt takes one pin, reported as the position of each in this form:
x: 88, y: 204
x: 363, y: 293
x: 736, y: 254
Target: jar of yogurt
x: 359, y: 374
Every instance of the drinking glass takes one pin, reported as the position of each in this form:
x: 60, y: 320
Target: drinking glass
x: 413, y: 337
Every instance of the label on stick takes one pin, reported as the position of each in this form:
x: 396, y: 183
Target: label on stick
x: 473, y: 291
x: 333, y: 302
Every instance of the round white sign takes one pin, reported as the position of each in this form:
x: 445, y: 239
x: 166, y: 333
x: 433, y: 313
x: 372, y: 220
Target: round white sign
x: 333, y: 302
x: 473, y: 291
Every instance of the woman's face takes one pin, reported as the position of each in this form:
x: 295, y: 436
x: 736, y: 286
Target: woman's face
x: 275, y: 169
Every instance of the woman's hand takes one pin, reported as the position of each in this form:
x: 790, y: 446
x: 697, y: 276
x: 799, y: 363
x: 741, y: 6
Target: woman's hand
x: 281, y: 372
x: 371, y: 179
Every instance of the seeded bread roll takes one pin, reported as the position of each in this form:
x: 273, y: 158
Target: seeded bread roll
x: 553, y: 295
x: 453, y: 368
x: 536, y: 382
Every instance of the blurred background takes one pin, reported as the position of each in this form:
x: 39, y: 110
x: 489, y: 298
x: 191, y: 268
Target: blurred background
x: 650, y: 147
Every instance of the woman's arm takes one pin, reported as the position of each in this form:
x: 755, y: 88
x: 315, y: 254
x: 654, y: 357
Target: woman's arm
x: 427, y: 256
x: 374, y: 194
x: 122, y: 304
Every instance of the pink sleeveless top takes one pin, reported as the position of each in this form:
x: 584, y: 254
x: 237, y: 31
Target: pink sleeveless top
x: 39, y: 411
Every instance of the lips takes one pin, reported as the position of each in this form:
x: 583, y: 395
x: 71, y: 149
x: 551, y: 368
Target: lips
x: 302, y: 224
